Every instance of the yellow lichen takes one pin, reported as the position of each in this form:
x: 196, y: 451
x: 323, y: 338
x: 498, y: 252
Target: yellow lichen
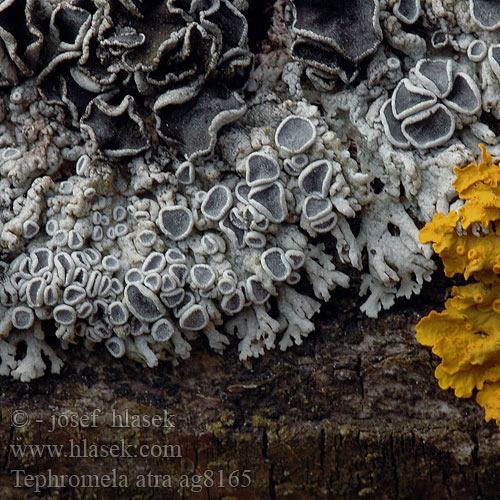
x: 479, y: 183
x: 489, y: 399
x: 466, y: 335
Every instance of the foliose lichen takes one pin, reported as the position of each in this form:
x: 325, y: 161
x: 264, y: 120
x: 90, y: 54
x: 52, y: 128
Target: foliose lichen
x: 466, y: 334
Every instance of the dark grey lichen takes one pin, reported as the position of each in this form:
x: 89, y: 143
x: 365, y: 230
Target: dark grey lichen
x: 171, y: 59
x: 419, y: 115
x: 486, y: 13
x: 334, y: 37
x: 115, y: 130
x: 21, y: 39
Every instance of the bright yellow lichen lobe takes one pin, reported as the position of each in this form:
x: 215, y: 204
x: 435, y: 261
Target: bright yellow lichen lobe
x: 479, y: 183
x: 467, y: 254
x: 466, y: 335
x: 473, y: 212
x: 489, y: 399
x: 468, y: 241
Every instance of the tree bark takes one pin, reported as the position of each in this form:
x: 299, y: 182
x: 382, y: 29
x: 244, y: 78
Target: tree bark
x: 354, y: 412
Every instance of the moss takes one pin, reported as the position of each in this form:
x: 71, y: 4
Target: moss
x: 221, y: 428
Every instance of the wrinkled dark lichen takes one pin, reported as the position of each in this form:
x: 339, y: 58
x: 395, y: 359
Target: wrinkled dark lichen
x: 157, y: 57
x: 333, y: 37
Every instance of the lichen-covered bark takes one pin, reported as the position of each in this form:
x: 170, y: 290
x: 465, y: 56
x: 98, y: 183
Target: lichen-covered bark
x: 354, y: 412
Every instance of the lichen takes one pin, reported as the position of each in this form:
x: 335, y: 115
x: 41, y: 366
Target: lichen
x: 156, y: 187
x: 466, y: 334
